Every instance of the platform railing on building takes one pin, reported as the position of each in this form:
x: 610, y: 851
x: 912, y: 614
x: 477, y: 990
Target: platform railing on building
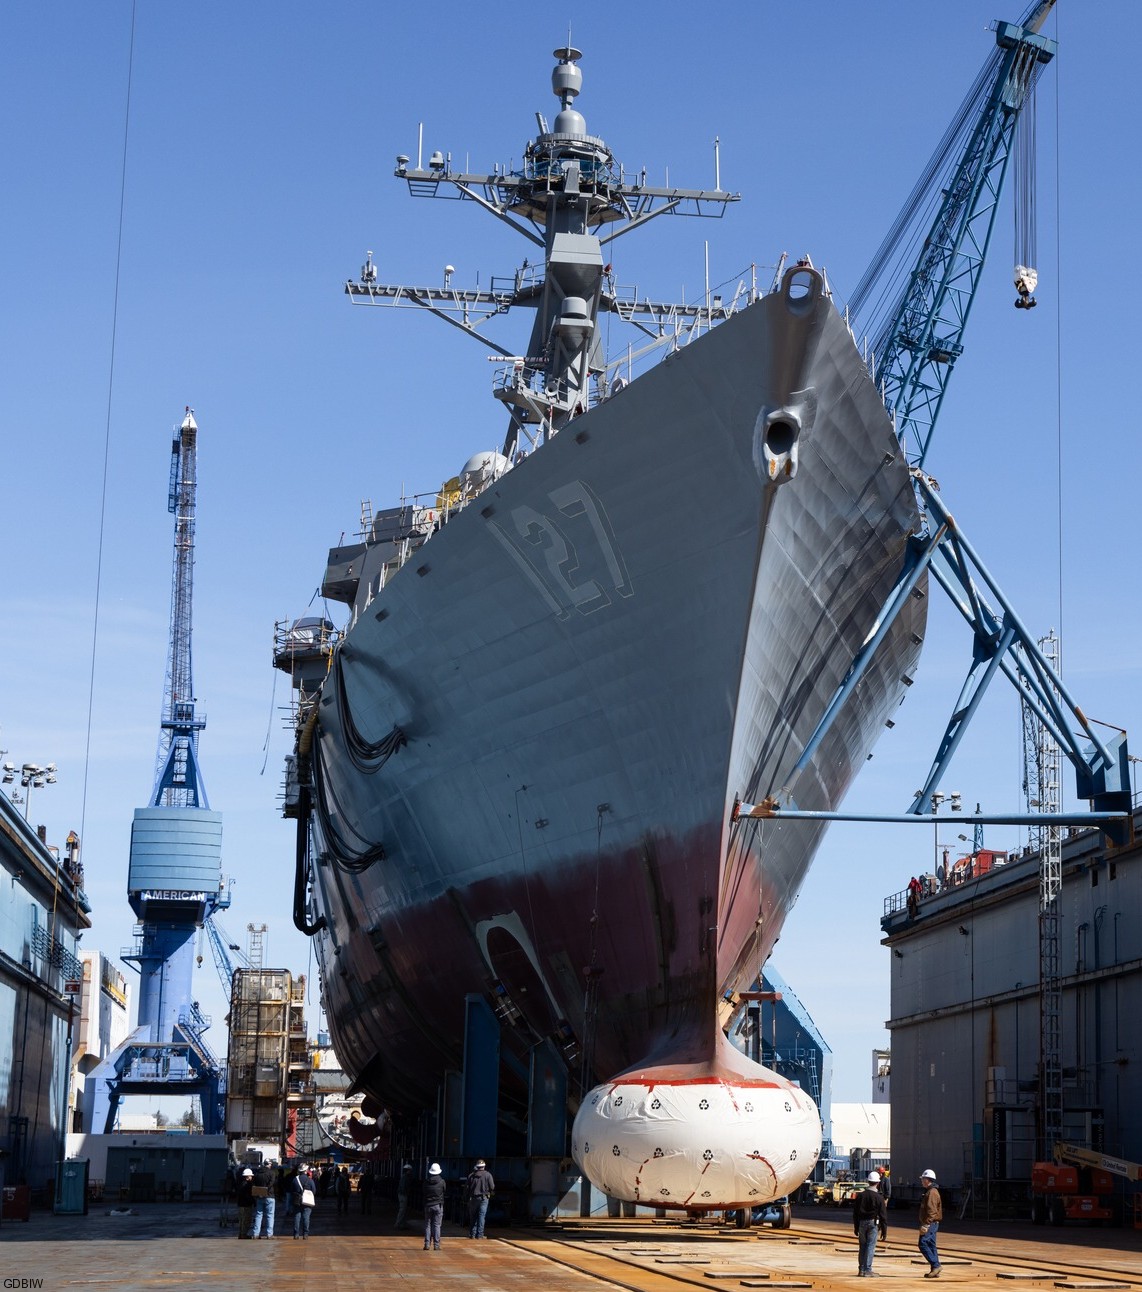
x: 894, y: 903
x: 992, y: 1190
x: 54, y: 955
x: 997, y: 1170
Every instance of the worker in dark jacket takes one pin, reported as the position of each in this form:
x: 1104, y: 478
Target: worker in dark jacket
x: 343, y: 1187
x: 305, y: 1195
x: 265, y: 1203
x: 870, y: 1217
x: 434, y: 1190
x: 479, y: 1189
x: 244, y: 1196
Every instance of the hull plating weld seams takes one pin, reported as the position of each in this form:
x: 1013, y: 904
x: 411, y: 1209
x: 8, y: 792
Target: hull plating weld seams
x: 576, y: 772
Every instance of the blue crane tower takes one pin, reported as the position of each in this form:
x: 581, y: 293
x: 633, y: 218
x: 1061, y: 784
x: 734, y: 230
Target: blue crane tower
x: 174, y: 880
x: 914, y: 309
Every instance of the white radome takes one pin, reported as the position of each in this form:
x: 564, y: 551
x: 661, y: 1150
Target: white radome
x: 725, y: 1135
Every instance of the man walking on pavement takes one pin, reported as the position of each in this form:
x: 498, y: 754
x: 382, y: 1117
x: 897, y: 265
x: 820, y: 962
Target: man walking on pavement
x: 931, y: 1213
x: 870, y: 1217
x: 481, y: 1186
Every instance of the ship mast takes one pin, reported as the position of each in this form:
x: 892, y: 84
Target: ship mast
x: 571, y: 200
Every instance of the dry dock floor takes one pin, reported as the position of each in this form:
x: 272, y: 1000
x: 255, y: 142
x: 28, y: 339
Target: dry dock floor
x: 184, y: 1246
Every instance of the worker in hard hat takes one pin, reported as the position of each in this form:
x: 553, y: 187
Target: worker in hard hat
x: 870, y: 1217
x: 244, y: 1196
x: 931, y: 1213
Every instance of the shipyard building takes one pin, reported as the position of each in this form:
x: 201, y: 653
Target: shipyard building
x: 42, y: 915
x: 101, y: 1025
x: 966, y: 1093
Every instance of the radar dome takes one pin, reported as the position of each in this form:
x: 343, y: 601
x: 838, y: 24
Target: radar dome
x: 481, y: 470
x: 570, y: 122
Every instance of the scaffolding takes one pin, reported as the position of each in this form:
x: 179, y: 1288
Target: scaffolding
x: 1043, y: 771
x: 270, y: 1089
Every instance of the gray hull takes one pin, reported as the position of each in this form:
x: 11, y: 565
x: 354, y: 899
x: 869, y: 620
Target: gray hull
x: 637, y: 623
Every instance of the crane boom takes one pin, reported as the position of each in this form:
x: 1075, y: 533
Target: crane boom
x: 1075, y: 1156
x: 918, y: 347
x: 178, y: 779
x: 221, y: 948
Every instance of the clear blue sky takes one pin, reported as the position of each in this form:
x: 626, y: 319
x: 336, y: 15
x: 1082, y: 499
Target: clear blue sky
x: 259, y: 160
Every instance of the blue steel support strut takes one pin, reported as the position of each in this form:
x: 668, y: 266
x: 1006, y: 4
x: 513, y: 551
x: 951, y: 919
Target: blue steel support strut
x: 773, y: 811
x: 1026, y: 665
x: 917, y: 558
x: 1001, y: 643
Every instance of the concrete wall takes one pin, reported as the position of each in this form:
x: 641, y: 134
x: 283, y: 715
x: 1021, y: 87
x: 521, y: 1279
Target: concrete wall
x: 198, y: 1161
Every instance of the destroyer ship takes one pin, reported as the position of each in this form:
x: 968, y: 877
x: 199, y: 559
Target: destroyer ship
x: 517, y: 764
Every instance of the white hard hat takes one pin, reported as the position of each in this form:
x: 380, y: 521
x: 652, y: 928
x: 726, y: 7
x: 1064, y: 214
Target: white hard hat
x: 927, y: 1175
x: 874, y: 1177
x: 434, y: 1169
x: 247, y: 1171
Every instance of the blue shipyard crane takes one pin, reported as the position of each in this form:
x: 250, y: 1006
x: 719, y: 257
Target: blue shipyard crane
x: 174, y: 880
x: 920, y: 337
x: 915, y: 348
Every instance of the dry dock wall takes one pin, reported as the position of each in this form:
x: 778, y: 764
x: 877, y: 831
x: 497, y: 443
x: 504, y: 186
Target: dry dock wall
x: 965, y: 1019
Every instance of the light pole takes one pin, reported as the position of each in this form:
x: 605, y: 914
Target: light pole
x: 956, y: 802
x: 32, y: 777
x: 937, y: 799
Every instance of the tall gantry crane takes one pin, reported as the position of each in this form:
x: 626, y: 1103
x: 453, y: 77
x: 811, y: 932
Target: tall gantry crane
x: 917, y: 336
x: 174, y: 876
x: 921, y: 333
x: 917, y: 349
x: 918, y: 344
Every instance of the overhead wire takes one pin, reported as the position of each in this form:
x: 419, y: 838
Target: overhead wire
x: 269, y: 725
x: 1059, y: 345
x: 107, y: 425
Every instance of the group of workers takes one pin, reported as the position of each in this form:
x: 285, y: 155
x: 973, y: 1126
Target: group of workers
x: 870, y: 1220
x: 258, y: 1190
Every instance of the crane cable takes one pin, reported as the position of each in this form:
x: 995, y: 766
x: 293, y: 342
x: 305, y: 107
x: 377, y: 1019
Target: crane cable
x: 874, y: 299
x: 1026, y: 217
